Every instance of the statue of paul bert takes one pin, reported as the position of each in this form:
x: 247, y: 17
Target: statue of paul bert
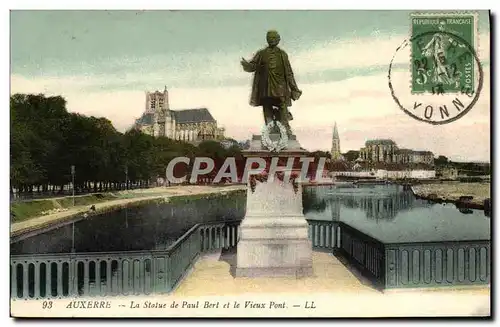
x: 274, y: 86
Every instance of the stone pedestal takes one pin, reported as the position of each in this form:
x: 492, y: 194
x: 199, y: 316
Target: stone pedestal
x: 273, y: 235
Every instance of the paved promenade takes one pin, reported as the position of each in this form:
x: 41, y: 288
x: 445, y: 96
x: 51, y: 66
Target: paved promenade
x: 355, y: 297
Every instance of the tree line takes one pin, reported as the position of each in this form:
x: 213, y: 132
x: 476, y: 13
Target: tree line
x: 46, y: 140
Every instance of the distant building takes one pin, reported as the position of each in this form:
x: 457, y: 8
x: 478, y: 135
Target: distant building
x: 190, y: 125
x: 448, y: 172
x: 379, y: 151
x: 244, y: 145
x: 227, y: 143
x: 386, y: 151
x: 336, y: 155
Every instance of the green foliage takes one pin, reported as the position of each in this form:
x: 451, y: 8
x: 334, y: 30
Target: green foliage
x: 318, y: 154
x: 24, y: 210
x: 46, y: 140
x: 351, y: 155
x: 472, y: 168
x: 441, y: 161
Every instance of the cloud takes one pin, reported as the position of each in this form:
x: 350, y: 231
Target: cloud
x: 359, y: 102
x: 332, y: 60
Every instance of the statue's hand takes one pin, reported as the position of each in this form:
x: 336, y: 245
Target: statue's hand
x: 296, y: 94
x: 247, y: 66
x: 244, y: 63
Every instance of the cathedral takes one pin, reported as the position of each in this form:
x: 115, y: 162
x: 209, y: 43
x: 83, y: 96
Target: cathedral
x: 189, y: 125
x: 386, y: 151
x: 383, y: 151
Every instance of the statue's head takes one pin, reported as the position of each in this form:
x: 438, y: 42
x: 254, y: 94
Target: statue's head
x: 273, y: 38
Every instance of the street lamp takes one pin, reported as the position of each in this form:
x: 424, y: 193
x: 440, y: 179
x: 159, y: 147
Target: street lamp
x: 126, y: 177
x: 73, y: 239
x: 73, y: 182
x: 126, y: 216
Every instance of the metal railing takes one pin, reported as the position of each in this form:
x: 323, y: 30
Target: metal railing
x: 43, y: 276
x: 323, y: 234
x: 46, y: 276
x: 364, y: 252
x: 417, y: 264
x: 431, y: 264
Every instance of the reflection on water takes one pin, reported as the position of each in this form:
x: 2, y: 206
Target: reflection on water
x: 376, y: 201
x: 387, y: 212
x: 149, y: 227
x: 391, y: 213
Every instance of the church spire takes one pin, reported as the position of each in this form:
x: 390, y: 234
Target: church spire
x: 335, y: 144
x: 335, y: 132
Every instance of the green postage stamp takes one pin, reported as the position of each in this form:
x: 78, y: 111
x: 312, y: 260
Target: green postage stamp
x: 442, y: 52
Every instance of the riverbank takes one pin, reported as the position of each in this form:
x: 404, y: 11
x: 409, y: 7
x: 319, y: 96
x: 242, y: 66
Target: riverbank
x: 471, y: 195
x: 63, y: 212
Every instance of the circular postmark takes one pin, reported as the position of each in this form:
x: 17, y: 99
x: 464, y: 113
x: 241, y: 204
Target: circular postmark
x: 443, y: 81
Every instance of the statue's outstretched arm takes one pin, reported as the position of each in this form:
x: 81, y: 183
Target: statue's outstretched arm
x: 251, y: 66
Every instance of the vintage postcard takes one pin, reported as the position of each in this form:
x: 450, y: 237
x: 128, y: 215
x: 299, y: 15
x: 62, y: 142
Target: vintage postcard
x: 176, y: 163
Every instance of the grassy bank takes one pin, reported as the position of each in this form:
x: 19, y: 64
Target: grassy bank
x: 178, y: 199
x: 24, y: 210
x: 33, y: 215
x: 454, y: 192
x: 20, y: 211
x: 87, y: 199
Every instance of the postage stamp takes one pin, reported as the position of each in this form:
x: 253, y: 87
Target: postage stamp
x: 441, y: 58
x: 189, y: 190
x: 445, y: 73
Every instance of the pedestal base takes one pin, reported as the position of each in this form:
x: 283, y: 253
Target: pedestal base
x: 274, y: 272
x: 293, y: 144
x: 274, y: 258
x: 274, y: 233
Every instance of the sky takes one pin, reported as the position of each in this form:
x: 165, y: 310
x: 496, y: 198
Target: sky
x: 102, y: 62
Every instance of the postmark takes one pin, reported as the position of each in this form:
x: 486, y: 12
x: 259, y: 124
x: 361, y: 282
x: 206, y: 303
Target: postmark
x: 445, y: 75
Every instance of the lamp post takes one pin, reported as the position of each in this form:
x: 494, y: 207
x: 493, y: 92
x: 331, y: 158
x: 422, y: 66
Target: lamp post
x: 73, y: 182
x: 73, y: 239
x: 126, y: 177
x: 126, y: 216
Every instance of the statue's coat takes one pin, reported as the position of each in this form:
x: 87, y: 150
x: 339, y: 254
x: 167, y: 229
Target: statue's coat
x: 258, y: 65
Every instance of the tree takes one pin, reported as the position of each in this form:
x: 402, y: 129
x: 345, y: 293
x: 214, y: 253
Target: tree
x: 46, y: 140
x: 351, y: 155
x: 441, y: 161
x: 318, y: 154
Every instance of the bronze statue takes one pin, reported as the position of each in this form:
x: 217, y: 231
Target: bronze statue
x: 274, y: 85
